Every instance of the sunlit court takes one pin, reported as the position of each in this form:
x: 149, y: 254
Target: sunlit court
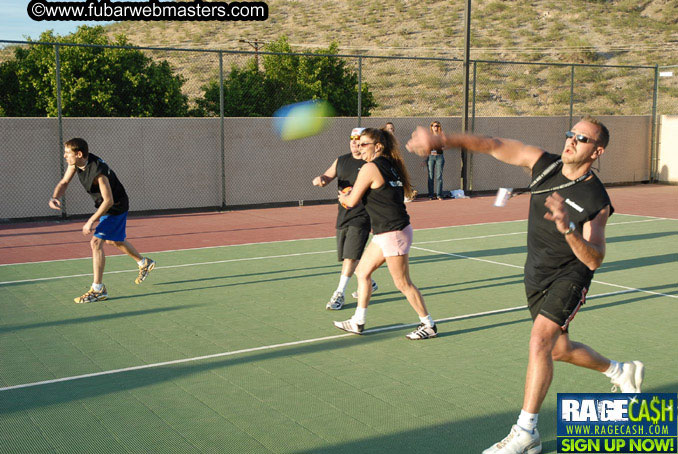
x: 227, y: 346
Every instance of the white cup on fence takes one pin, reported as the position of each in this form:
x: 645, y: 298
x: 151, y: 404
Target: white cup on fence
x: 503, y: 195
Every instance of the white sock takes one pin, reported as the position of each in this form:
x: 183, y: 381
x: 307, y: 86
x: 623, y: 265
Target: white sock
x: 528, y: 421
x: 343, y: 281
x: 614, y: 370
x: 140, y: 262
x: 428, y: 321
x: 359, y: 316
x: 97, y: 287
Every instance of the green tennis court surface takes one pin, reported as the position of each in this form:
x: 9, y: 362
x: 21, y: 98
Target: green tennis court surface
x: 252, y: 363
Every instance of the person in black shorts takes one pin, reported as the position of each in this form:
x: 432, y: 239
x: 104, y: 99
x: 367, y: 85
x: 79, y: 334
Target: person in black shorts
x: 353, y: 227
x: 569, y: 208
x: 112, y: 205
x: 381, y: 186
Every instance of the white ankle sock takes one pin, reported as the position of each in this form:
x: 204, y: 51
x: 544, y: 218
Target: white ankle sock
x: 97, y: 287
x: 428, y: 321
x: 343, y: 281
x: 140, y: 262
x: 614, y: 370
x: 359, y: 316
x: 528, y: 421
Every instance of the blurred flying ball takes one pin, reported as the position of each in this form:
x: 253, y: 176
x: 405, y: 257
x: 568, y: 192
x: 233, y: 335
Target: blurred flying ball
x: 346, y: 191
x: 302, y: 119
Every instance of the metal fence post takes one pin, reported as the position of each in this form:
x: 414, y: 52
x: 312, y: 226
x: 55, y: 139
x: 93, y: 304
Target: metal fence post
x: 221, y: 122
x: 360, y: 89
x: 654, y: 161
x: 571, y: 95
x: 60, y: 123
x: 464, y: 119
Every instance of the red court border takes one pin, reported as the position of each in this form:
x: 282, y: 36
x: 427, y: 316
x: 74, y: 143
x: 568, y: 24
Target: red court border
x: 54, y: 240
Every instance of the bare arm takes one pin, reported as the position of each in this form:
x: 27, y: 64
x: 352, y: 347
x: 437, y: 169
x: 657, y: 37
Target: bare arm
x: 368, y: 177
x: 60, y: 188
x: 589, y: 246
x: 327, y: 177
x: 506, y: 150
x: 106, y: 204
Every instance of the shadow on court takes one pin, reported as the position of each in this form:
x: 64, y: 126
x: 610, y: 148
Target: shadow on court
x: 94, y: 318
x: 637, y: 262
x: 470, y: 435
x: 50, y: 394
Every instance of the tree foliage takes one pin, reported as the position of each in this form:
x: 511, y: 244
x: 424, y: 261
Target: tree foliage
x: 286, y: 78
x: 95, y: 81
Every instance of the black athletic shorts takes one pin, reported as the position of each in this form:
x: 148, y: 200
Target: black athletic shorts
x: 351, y: 242
x: 559, y: 302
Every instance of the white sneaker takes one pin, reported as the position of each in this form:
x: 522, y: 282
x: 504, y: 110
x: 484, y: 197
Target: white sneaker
x: 350, y: 326
x: 336, y: 302
x: 375, y: 287
x: 630, y: 379
x: 518, y: 441
x: 423, y: 332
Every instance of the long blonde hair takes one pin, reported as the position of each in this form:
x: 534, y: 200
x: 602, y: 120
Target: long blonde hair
x: 391, y: 151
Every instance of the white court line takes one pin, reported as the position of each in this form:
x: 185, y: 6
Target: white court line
x: 281, y: 256
x: 171, y: 266
x: 322, y: 238
x: 521, y: 267
x: 270, y: 347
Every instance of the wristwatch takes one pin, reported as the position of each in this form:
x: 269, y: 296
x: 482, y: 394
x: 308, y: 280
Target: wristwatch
x: 571, y: 229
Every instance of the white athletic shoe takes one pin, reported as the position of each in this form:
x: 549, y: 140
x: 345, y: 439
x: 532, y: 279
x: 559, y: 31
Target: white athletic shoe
x: 423, y: 332
x: 518, y: 441
x: 336, y: 302
x: 350, y: 326
x: 375, y: 287
x: 631, y: 378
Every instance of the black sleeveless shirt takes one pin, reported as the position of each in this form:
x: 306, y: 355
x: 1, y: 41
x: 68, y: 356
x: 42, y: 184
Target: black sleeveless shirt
x: 95, y: 167
x: 549, y: 257
x: 386, y: 205
x: 347, y: 172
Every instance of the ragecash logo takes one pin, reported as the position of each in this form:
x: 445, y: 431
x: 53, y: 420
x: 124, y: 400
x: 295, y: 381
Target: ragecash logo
x: 617, y: 423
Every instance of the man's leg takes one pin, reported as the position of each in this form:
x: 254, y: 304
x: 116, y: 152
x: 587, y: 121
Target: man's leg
x: 145, y: 264
x: 98, y: 259
x: 543, y: 338
x: 371, y: 259
x: 127, y: 248
x: 625, y: 376
x: 579, y: 354
x: 98, y: 291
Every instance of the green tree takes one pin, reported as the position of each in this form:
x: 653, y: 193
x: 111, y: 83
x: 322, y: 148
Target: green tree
x: 285, y: 79
x: 95, y: 81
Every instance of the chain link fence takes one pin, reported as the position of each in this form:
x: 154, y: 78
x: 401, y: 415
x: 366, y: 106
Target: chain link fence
x: 219, y: 150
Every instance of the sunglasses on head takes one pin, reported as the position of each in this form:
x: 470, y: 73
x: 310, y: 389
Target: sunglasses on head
x: 580, y: 137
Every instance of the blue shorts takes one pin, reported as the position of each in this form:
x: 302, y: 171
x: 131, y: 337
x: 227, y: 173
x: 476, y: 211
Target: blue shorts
x: 112, y: 227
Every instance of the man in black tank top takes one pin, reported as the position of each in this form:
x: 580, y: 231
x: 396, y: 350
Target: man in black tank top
x: 112, y: 204
x: 569, y: 208
x: 353, y: 226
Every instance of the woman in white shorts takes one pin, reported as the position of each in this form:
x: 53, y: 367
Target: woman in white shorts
x: 382, y: 185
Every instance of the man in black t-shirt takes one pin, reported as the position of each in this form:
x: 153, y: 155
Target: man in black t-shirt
x: 112, y: 204
x: 569, y: 208
x: 353, y: 226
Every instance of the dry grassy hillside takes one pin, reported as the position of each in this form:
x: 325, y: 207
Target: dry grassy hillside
x: 622, y: 32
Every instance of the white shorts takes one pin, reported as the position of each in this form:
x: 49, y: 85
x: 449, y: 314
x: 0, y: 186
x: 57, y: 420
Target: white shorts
x: 394, y: 243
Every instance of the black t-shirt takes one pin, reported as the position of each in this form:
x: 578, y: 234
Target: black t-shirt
x: 95, y: 167
x: 386, y: 205
x: 347, y: 172
x: 549, y: 257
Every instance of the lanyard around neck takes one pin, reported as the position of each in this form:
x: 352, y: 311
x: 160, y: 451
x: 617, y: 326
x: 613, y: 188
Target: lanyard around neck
x: 550, y: 170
